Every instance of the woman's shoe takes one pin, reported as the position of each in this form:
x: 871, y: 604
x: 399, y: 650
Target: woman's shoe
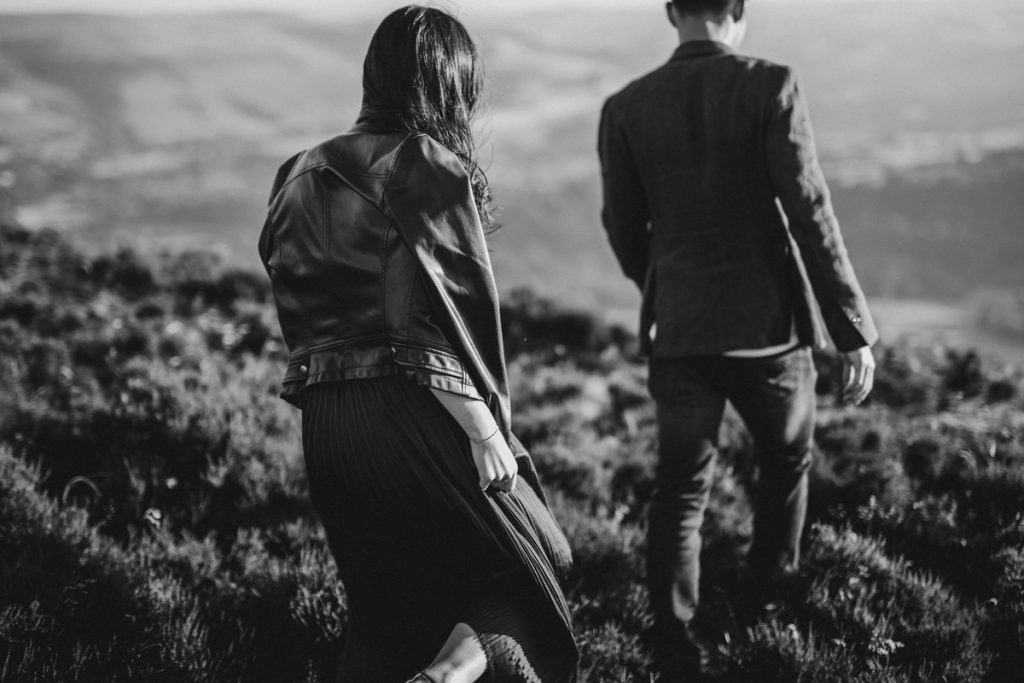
x: 421, y: 677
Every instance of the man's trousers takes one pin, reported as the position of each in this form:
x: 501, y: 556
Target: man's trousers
x: 775, y: 398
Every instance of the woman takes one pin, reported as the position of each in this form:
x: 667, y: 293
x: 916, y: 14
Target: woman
x: 374, y: 244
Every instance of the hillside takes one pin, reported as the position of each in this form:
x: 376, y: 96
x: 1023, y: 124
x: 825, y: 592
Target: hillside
x: 155, y: 522
x: 166, y: 130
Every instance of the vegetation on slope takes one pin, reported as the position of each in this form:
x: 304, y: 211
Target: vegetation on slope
x: 155, y: 522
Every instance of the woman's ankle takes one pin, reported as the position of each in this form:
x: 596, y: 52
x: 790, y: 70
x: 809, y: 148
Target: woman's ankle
x: 442, y: 673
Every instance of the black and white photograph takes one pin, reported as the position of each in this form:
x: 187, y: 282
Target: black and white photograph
x: 542, y: 341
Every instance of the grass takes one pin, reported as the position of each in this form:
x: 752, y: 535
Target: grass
x: 155, y: 522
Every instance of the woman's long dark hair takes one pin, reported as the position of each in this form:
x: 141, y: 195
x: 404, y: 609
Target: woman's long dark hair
x: 423, y: 73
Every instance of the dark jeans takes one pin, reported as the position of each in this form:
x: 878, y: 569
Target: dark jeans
x: 775, y: 398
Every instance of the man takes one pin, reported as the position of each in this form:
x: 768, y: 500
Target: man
x: 715, y: 205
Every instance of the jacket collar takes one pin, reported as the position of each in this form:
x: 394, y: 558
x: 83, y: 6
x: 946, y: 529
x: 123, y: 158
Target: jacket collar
x: 374, y: 118
x: 700, y: 48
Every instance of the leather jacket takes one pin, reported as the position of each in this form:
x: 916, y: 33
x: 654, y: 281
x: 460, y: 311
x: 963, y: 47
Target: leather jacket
x: 378, y: 266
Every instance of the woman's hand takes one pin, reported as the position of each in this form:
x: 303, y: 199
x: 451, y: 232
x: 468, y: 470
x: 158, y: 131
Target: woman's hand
x: 495, y: 464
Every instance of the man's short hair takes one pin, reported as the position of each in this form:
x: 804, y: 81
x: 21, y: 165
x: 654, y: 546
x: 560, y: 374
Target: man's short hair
x: 734, y: 7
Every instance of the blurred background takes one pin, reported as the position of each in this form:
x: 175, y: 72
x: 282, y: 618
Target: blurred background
x: 159, y: 125
x: 155, y: 520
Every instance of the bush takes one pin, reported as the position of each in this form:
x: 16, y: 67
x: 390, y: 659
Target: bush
x: 155, y: 522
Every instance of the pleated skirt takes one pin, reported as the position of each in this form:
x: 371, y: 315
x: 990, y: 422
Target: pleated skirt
x: 419, y: 547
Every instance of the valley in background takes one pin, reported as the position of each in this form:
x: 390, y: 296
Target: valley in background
x: 164, y: 132
x: 155, y: 520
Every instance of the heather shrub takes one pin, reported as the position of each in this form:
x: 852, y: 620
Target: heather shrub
x: 902, y: 380
x: 155, y: 522
x: 532, y: 323
x: 853, y: 613
x: 609, y: 655
x: 70, y: 603
x: 164, y: 608
x: 124, y: 273
x: 780, y: 653
x: 854, y: 465
x: 606, y: 593
x: 857, y: 592
x: 1003, y: 612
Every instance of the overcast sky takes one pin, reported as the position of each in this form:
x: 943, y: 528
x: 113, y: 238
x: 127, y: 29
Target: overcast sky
x: 335, y: 7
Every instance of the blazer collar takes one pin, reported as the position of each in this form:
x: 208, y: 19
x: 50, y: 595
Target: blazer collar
x: 700, y: 48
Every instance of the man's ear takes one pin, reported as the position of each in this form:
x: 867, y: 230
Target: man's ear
x: 670, y: 10
x: 739, y: 10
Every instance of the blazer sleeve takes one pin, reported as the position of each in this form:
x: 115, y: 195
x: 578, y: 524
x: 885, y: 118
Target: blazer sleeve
x: 800, y: 186
x: 625, y: 214
x: 429, y: 198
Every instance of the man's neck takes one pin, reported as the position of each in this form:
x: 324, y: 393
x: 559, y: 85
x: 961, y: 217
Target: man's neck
x: 691, y: 28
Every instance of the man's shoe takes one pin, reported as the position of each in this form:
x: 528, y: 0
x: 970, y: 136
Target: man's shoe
x: 679, y: 659
x: 679, y: 674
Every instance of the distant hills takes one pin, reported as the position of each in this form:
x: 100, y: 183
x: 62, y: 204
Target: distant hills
x: 166, y: 130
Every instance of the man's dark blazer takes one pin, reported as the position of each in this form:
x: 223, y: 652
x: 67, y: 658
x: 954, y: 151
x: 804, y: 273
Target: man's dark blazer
x: 716, y: 206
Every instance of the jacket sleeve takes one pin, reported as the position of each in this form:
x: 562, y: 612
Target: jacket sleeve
x: 266, y: 241
x: 625, y: 214
x: 800, y: 186
x: 429, y: 198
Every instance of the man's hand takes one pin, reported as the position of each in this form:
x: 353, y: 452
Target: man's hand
x: 858, y: 374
